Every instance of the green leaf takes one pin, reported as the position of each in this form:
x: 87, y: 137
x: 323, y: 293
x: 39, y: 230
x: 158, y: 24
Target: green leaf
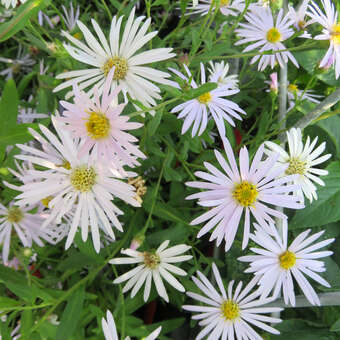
x: 19, y: 21
x: 336, y: 326
x: 310, y: 60
x: 7, y: 302
x: 324, y: 210
x: 71, y: 315
x: 331, y: 126
x: 26, y: 322
x: 155, y: 121
x: 9, y: 106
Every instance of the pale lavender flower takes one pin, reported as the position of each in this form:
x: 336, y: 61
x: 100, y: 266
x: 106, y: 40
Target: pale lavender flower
x: 71, y: 17
x: 276, y: 263
x: 26, y: 225
x: 153, y: 266
x: 330, y: 31
x: 262, y: 31
x: 23, y: 63
x: 101, y: 126
x: 110, y: 331
x: 248, y: 190
x: 228, y: 315
x: 82, y: 184
x: 197, y: 112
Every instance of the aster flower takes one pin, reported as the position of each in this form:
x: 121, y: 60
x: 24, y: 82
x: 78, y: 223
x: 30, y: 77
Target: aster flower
x: 197, y: 111
x: 276, y: 264
x: 28, y: 114
x: 110, y: 332
x: 134, y: 78
x: 82, y: 184
x: 11, y: 3
x: 234, y: 192
x: 331, y: 32
x: 22, y: 63
x: 299, y: 17
x: 229, y: 315
x: 301, y: 160
x: 227, y: 7
x: 70, y: 18
x: 262, y: 31
x: 101, y: 126
x: 44, y: 17
x: 153, y: 265
x: 42, y: 68
x: 25, y: 225
x: 294, y: 93
x: 219, y: 71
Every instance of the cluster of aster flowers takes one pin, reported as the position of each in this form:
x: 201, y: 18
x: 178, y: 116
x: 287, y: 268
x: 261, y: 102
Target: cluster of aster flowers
x: 74, y: 177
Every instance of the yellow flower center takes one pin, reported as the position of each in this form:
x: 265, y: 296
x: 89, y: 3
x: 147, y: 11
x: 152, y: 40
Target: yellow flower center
x: 296, y: 166
x: 121, y: 67
x: 292, y: 88
x: 335, y: 34
x: 287, y: 260
x: 273, y: 35
x: 98, y: 125
x: 224, y: 3
x: 230, y: 310
x: 204, y: 98
x: 15, y: 215
x: 83, y: 178
x: 151, y: 260
x: 45, y: 201
x: 302, y: 24
x: 245, y: 193
x: 77, y: 35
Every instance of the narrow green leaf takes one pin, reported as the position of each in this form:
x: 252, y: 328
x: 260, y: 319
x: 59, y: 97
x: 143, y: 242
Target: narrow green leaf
x: 336, y: 326
x: 71, y: 315
x: 19, y: 21
x: 324, y: 210
x: 9, y: 107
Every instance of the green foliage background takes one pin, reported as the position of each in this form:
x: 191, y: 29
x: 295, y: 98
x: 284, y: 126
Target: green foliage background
x: 77, y: 284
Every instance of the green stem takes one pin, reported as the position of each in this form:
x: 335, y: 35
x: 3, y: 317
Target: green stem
x: 155, y: 196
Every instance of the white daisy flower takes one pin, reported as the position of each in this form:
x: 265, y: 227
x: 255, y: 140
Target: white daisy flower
x: 11, y: 3
x: 25, y: 225
x: 262, y: 31
x: 219, y: 71
x: 301, y: 160
x: 22, y: 63
x: 82, y: 184
x: 229, y: 315
x: 129, y: 72
x: 110, y: 331
x: 299, y: 17
x: 331, y: 32
x: 101, y: 126
x: 153, y: 265
x: 249, y: 190
x: 70, y: 18
x: 294, y: 93
x: 197, y: 111
x: 227, y: 7
x: 275, y: 264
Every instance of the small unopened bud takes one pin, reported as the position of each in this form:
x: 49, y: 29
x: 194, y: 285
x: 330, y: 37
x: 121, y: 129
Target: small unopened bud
x: 137, y: 242
x: 273, y: 83
x: 184, y: 58
x: 27, y: 252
